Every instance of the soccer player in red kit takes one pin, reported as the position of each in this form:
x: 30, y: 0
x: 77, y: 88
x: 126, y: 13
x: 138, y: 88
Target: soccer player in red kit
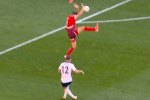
x: 73, y: 31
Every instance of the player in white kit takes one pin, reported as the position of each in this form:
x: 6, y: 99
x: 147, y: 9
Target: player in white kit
x: 66, y: 68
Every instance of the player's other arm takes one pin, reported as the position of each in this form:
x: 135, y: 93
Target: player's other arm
x: 78, y: 71
x: 80, y: 12
x: 76, y: 7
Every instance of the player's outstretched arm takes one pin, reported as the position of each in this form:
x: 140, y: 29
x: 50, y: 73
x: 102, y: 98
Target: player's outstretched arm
x: 79, y: 72
x: 76, y: 6
x: 80, y: 12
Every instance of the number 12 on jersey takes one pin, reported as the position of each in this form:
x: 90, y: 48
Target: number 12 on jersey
x: 65, y: 69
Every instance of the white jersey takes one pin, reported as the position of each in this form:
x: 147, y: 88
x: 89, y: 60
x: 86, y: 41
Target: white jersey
x: 66, y: 70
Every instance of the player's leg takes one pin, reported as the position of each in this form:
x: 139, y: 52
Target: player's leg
x: 72, y: 33
x: 96, y: 28
x: 70, y: 93
x: 65, y: 93
x: 65, y: 87
x: 87, y: 28
x: 71, y: 49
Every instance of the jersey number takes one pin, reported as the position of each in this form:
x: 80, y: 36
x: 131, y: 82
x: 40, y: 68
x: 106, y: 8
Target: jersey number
x: 65, y: 70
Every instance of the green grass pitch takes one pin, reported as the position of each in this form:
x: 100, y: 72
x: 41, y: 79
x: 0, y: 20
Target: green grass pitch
x: 116, y: 60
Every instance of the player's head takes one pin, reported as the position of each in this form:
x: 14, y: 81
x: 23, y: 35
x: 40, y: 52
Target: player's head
x: 74, y: 13
x: 68, y: 58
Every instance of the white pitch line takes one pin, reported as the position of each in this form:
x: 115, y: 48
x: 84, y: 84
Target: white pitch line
x: 116, y: 20
x: 63, y: 27
x: 32, y: 40
x: 105, y: 10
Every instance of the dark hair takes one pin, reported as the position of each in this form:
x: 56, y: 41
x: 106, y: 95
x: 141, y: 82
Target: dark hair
x: 74, y: 12
x: 68, y: 58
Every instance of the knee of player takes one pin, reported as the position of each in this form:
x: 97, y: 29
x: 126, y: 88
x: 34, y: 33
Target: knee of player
x: 74, y: 46
x: 82, y: 27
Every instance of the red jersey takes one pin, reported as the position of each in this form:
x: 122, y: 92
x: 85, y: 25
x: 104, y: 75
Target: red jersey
x: 71, y: 21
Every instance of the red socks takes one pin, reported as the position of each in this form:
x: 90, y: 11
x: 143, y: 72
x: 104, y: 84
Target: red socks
x: 70, y: 50
x: 89, y: 28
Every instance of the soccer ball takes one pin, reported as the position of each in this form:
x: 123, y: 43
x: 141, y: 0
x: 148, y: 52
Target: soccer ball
x: 86, y: 8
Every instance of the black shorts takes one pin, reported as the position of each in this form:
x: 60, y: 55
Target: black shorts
x: 65, y: 84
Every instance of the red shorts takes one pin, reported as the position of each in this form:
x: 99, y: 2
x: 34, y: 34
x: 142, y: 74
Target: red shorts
x: 72, y: 33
